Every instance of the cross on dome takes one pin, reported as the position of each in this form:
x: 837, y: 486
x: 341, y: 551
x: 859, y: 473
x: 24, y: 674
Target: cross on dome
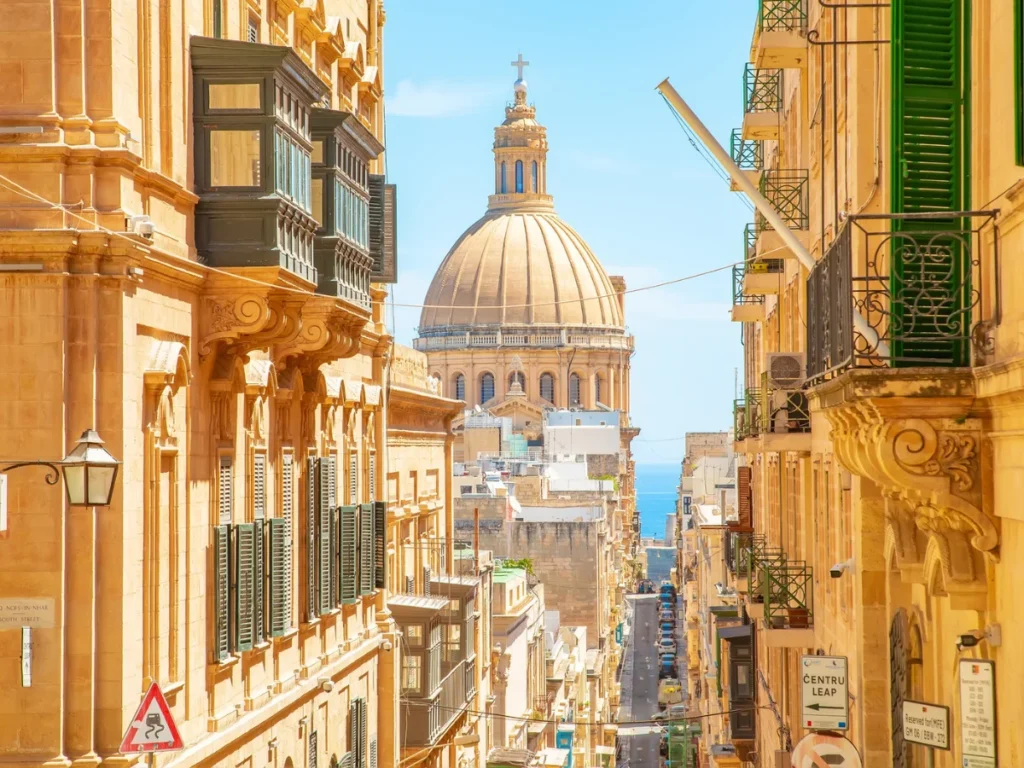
x: 519, y: 64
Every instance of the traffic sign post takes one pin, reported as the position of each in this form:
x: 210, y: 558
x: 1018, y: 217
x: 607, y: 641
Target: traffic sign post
x: 825, y: 749
x: 824, y: 700
x: 152, y: 729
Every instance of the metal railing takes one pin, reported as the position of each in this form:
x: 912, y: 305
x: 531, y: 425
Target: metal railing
x: 738, y: 296
x: 787, y: 191
x: 747, y: 153
x: 775, y: 15
x: 787, y: 589
x: 428, y: 718
x: 470, y: 673
x: 762, y: 89
x: 915, y: 278
x: 776, y: 411
x: 750, y: 234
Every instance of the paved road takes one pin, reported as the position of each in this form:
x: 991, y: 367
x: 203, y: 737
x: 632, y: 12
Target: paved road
x: 642, y: 684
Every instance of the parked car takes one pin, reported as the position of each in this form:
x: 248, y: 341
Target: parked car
x: 666, y: 645
x: 674, y: 712
x: 670, y: 692
x: 667, y: 615
x: 668, y: 626
x: 667, y: 668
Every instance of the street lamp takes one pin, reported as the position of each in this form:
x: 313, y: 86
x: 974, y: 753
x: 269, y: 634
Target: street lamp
x: 89, y: 472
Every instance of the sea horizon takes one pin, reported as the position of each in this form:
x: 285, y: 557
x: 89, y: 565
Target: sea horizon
x: 656, y: 484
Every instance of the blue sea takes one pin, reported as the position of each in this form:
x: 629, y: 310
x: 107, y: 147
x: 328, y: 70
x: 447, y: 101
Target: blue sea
x: 656, y: 496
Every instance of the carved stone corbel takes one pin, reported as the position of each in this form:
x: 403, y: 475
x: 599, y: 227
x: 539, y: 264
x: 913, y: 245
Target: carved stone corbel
x: 230, y: 318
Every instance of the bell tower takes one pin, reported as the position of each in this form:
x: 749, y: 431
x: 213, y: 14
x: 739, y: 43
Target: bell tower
x: 520, y: 155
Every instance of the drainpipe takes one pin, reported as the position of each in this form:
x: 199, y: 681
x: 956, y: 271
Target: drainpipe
x: 760, y: 202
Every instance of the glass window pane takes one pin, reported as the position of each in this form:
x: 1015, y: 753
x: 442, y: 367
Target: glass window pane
x: 318, y: 151
x: 414, y: 635
x: 234, y: 158
x: 235, y: 96
x: 318, y: 201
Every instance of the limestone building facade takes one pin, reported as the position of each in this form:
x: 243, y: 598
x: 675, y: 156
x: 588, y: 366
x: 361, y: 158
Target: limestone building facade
x: 192, y: 219
x: 880, y: 420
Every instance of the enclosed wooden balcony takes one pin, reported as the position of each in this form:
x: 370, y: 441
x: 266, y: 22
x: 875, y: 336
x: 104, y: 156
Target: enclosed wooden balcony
x: 762, y: 103
x: 780, y: 35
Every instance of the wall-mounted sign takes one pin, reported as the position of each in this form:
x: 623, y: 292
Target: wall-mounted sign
x: 824, y: 701
x: 26, y: 657
x: 926, y: 724
x: 3, y: 506
x: 35, y: 612
x: 825, y: 749
x: 978, y: 713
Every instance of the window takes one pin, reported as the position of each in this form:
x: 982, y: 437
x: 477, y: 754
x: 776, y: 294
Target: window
x: 519, y: 175
x: 503, y: 190
x: 293, y: 171
x: 535, y: 187
x: 574, y: 389
x: 547, y: 387
x: 253, y: 31
x: 460, y: 387
x: 230, y: 96
x: 453, y: 642
x: 517, y: 376
x: 218, y: 18
x: 597, y: 389
x: 486, y: 388
x: 318, y: 201
x: 412, y: 672
x: 234, y: 158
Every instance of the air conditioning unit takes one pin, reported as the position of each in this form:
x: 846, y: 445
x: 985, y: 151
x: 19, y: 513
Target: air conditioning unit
x: 786, y: 370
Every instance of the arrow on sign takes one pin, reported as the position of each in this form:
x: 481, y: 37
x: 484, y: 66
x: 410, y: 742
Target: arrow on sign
x: 818, y: 707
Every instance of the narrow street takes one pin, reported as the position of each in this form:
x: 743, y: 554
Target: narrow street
x: 640, y: 682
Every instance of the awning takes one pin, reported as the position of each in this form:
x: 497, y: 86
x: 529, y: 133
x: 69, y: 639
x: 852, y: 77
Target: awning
x: 731, y: 633
x: 416, y: 605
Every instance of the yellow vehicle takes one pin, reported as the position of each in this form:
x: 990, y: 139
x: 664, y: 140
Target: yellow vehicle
x: 669, y: 692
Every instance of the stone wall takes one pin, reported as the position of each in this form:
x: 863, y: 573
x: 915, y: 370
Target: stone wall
x: 604, y: 465
x: 566, y: 558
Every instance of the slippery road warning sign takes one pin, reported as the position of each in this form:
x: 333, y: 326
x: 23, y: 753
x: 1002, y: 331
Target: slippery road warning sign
x: 152, y: 729
x: 824, y: 701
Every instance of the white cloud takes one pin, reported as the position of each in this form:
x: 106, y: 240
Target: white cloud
x: 438, y: 98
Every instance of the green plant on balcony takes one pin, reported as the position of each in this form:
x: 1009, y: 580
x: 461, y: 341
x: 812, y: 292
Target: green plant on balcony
x: 775, y: 15
x: 762, y: 89
x: 748, y: 154
x: 787, y: 589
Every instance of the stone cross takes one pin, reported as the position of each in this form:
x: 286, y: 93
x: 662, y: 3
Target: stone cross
x: 519, y: 64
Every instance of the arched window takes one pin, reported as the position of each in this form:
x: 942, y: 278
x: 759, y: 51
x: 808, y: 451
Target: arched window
x: 503, y: 190
x: 547, y: 387
x: 535, y: 187
x: 574, y: 389
x: 517, y: 376
x: 597, y: 389
x: 460, y: 387
x: 486, y: 387
x: 519, y: 175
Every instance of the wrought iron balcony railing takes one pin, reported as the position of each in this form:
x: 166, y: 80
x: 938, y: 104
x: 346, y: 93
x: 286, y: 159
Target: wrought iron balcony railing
x: 762, y: 89
x: 787, y: 191
x: 738, y: 296
x: 781, y: 14
x: 767, y: 410
x: 747, y: 153
x: 916, y: 283
x: 787, y: 590
x: 750, y: 234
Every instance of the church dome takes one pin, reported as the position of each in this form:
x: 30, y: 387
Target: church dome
x: 521, y: 267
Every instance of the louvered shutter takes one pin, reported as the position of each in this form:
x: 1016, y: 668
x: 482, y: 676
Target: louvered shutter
x: 353, y: 731
x: 259, y: 620
x: 349, y: 566
x: 381, y: 240
x: 373, y: 753
x: 426, y: 580
x: 259, y: 486
x: 325, y: 544
x: 380, y: 533
x: 313, y: 750
x: 362, y: 733
x: 245, y: 545
x: 372, y: 471
x: 280, y: 577
x: 366, y: 549
x: 410, y: 585
x: 288, y: 516
x: 221, y: 593
x: 312, y: 605
x: 346, y: 760
x: 225, y: 490
x: 929, y: 283
x: 743, y: 497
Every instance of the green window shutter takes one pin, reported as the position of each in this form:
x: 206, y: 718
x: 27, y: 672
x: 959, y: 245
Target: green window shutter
x: 929, y: 284
x: 221, y: 593
x: 380, y: 533
x: 336, y: 554
x: 353, y: 478
x: 259, y: 600
x: 372, y: 471
x: 348, y: 553
x: 361, y: 756
x: 373, y: 753
x: 1018, y: 77
x: 312, y: 541
x: 325, y: 545
x: 280, y: 577
x: 366, y: 549
x: 313, y: 750
x: 353, y: 731
x: 259, y: 486
x: 225, y: 488
x: 288, y: 516
x: 245, y: 536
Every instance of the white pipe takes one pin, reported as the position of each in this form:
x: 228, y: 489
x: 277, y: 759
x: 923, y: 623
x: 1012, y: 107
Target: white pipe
x: 760, y: 201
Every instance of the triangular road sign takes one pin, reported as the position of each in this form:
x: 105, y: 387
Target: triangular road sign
x: 152, y: 729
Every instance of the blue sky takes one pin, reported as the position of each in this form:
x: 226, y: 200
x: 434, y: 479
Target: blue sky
x: 619, y: 166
